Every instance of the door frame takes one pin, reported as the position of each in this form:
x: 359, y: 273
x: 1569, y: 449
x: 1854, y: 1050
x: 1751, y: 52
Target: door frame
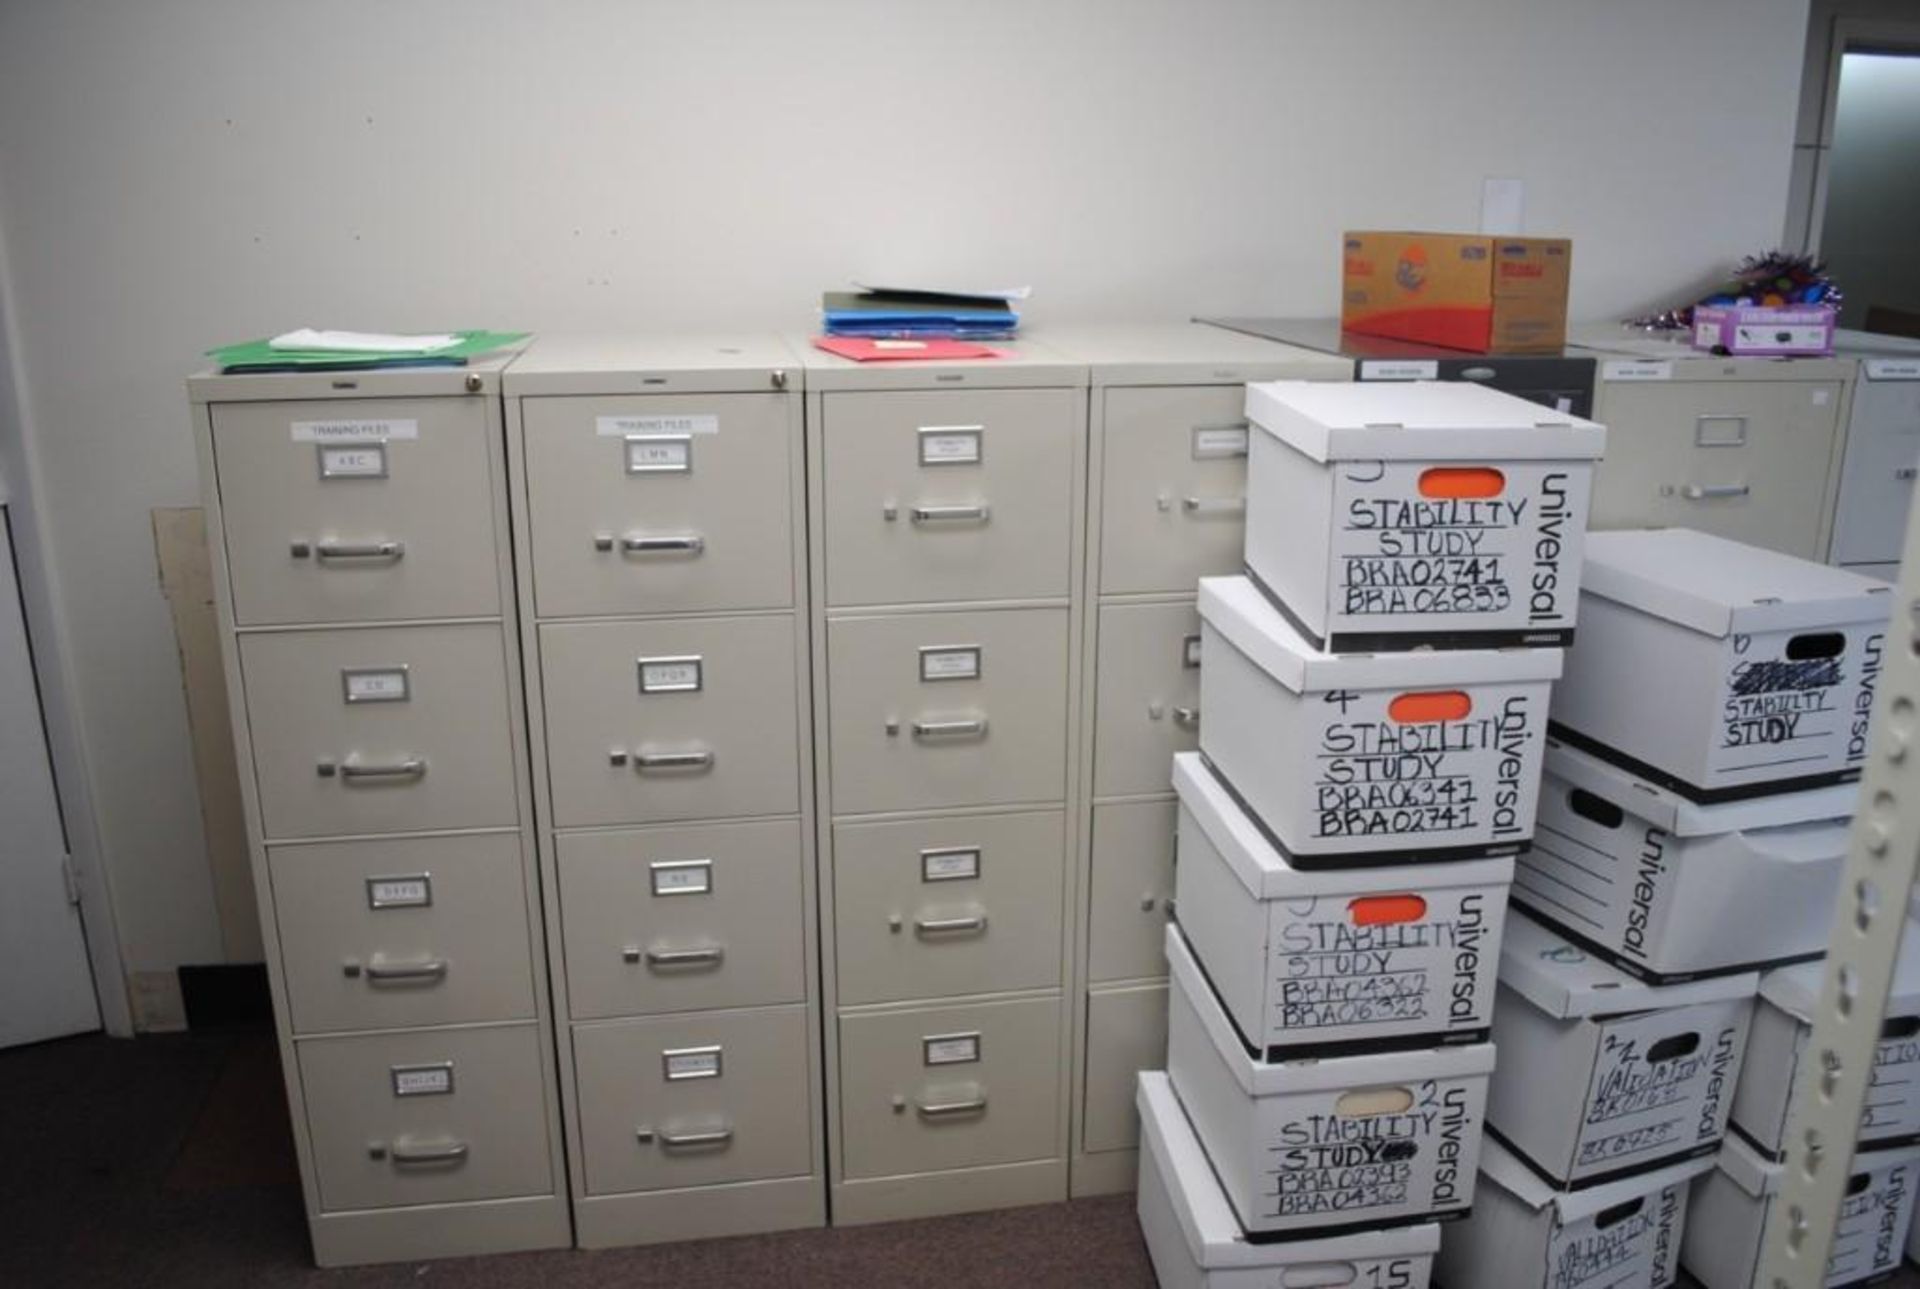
x: 1831, y: 35
x: 46, y: 636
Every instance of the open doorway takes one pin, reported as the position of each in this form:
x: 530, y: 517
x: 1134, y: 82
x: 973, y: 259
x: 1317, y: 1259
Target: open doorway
x: 1868, y: 229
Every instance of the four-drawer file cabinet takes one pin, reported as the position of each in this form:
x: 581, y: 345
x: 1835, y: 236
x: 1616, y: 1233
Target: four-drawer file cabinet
x: 801, y: 730
x: 359, y: 537
x: 659, y: 522
x: 1167, y: 471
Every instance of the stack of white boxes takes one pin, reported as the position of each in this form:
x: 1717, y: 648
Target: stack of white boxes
x: 1373, y: 712
x: 1692, y: 827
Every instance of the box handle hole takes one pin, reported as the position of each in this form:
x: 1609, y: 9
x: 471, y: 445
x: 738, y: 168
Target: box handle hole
x: 1858, y: 1183
x: 1596, y: 809
x: 1607, y: 1217
x: 1900, y: 1027
x: 1816, y: 644
x: 1673, y: 1047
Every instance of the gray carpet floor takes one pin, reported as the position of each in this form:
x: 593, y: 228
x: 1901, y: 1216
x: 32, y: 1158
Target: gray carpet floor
x: 167, y: 1162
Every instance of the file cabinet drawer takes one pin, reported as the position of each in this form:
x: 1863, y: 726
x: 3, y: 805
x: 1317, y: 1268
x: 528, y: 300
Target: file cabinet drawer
x: 660, y: 504
x: 948, y: 709
x: 433, y: 1117
x: 1126, y: 1033
x: 941, y: 495
x: 357, y: 511
x: 390, y: 729
x: 1132, y: 890
x: 694, y: 1100
x: 1173, y: 498
x: 682, y: 918
x: 654, y: 721
x: 1147, y: 696
x: 422, y: 931
x: 949, y: 1087
x: 930, y: 908
x: 1738, y: 459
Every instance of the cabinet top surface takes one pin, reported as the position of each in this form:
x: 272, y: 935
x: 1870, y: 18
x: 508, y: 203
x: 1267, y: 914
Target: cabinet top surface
x: 1023, y: 362
x: 1611, y: 343
x: 389, y: 382
x: 1188, y: 353
x: 618, y: 354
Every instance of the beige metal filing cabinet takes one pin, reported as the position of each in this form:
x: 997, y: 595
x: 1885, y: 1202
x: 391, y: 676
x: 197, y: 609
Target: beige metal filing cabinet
x: 1745, y: 448
x: 946, y: 530
x: 359, y: 536
x: 659, y: 523
x: 1882, y: 456
x: 1166, y: 507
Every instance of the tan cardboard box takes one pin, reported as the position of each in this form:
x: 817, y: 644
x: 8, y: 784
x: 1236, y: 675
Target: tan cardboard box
x: 1460, y: 291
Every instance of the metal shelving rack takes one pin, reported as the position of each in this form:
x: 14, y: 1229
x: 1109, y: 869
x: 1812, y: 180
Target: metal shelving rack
x: 1867, y: 924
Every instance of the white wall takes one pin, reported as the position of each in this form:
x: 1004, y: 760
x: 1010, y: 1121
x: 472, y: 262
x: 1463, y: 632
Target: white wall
x: 174, y: 174
x: 1873, y: 184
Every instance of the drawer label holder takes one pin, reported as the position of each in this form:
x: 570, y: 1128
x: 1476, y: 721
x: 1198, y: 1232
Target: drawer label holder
x: 1215, y: 442
x: 681, y: 876
x: 352, y: 461
x: 681, y: 1063
x: 676, y: 674
x: 432, y: 1080
x: 375, y: 685
x: 950, y: 864
x: 659, y: 453
x: 950, y: 1049
x: 952, y: 444
x: 949, y: 662
x: 408, y: 891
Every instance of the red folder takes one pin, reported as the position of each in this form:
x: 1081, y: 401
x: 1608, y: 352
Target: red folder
x: 865, y: 349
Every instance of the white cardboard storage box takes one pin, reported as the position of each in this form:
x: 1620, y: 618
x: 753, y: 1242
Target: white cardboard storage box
x: 1721, y: 1248
x: 1369, y: 758
x: 1602, y: 1074
x: 1409, y: 513
x: 1667, y: 889
x: 1777, y: 1058
x: 1524, y: 1234
x: 1343, y: 959
x: 1721, y: 670
x: 1195, y: 1242
x: 1348, y: 1143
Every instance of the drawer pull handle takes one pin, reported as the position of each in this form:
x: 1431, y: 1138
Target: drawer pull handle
x: 712, y: 953
x: 1214, y: 505
x: 452, y: 1152
x: 427, y: 969
x: 324, y: 551
x: 1714, y: 491
x: 695, y: 1140
x: 974, y: 727
x: 979, y: 514
x: 975, y: 925
x: 413, y: 767
x: 1187, y: 718
x: 676, y: 544
x: 950, y: 1109
x: 645, y: 761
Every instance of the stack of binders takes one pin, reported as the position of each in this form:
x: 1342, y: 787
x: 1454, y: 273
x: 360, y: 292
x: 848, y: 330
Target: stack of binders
x: 918, y: 315
x: 1693, y: 826
x: 1373, y: 710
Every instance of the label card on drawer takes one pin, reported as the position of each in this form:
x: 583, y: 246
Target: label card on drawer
x: 375, y: 684
x: 619, y: 427
x: 950, y: 864
x: 423, y: 1080
x: 414, y: 891
x: 950, y: 1049
x: 676, y: 675
x: 659, y: 453
x: 950, y: 444
x: 1630, y: 369
x: 1213, y: 441
x: 682, y: 876
x: 950, y: 662
x: 362, y: 461
x: 1410, y: 370
x: 354, y: 431
x: 1190, y: 651
x: 691, y: 1063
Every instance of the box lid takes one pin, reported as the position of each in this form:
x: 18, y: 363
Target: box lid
x: 1417, y: 420
x: 1675, y: 814
x: 1213, y: 1234
x: 1312, y: 1074
x: 1241, y: 612
x: 1502, y: 1167
x: 1566, y: 981
x: 1796, y: 989
x: 1759, y: 1176
x: 1719, y: 587
x: 1263, y: 869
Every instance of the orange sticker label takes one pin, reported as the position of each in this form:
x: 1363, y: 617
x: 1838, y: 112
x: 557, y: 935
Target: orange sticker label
x: 1440, y: 705
x: 1387, y: 910
x: 1463, y: 481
